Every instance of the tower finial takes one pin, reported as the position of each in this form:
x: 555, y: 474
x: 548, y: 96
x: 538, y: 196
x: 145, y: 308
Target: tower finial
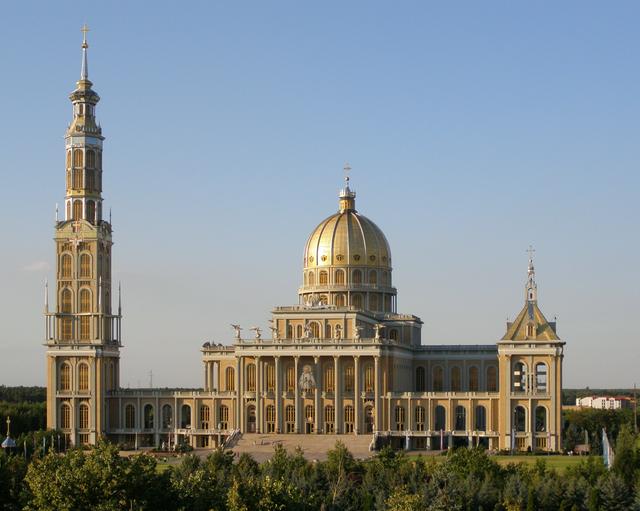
x: 46, y: 295
x: 347, y: 197
x: 84, y: 73
x: 119, y: 299
x: 531, y: 288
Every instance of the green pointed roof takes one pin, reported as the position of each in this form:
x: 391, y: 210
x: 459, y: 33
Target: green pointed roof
x: 531, y: 315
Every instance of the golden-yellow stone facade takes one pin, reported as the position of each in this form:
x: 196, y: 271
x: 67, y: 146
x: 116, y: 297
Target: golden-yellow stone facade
x: 341, y: 361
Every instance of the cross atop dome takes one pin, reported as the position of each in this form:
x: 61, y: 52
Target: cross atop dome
x: 347, y: 197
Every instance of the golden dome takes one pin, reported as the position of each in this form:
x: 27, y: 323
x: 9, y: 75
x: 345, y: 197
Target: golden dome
x: 347, y: 239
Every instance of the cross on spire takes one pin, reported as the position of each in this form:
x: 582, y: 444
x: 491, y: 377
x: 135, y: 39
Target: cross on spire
x: 84, y: 31
x: 531, y: 251
x: 347, y: 169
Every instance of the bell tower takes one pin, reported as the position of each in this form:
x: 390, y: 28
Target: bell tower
x: 82, y: 332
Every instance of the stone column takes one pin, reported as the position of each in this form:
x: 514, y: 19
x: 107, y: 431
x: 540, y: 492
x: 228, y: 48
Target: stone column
x: 316, y: 415
x: 377, y: 410
x: 356, y: 394
x: 238, y: 399
x: 258, y: 391
x: 278, y: 391
x: 336, y: 392
x: 296, y: 399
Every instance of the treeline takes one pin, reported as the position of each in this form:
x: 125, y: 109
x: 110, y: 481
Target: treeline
x: 465, y: 480
x: 23, y: 394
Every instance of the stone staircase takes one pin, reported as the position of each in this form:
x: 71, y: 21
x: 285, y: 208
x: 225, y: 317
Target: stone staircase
x: 261, y: 446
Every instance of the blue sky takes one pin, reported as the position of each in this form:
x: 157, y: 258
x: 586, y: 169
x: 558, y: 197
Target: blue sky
x: 473, y: 128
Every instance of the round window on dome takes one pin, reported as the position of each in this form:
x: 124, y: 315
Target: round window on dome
x: 356, y: 257
x: 324, y: 258
x: 339, y: 257
x: 372, y: 258
x: 310, y: 259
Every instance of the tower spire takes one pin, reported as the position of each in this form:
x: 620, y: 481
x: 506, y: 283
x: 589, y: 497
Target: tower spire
x: 531, y: 287
x: 346, y: 196
x: 84, y: 73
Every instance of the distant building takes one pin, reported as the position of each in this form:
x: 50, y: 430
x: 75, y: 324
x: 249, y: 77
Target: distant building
x: 604, y: 402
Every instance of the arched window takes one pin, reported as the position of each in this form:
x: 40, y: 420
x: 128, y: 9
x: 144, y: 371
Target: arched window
x: 356, y: 300
x: 85, y: 265
x: 541, y: 377
x: 541, y: 419
x: 271, y: 377
x: 68, y: 179
x: 373, y: 277
x: 340, y: 300
x: 492, y: 379
x: 85, y: 321
x: 349, y: 418
x: 481, y: 418
x: 329, y: 378
x: 65, y: 307
x: 251, y: 377
x: 357, y: 277
x: 91, y: 159
x: 83, y: 423
x: 329, y: 419
x: 148, y: 416
x: 373, y: 302
x: 520, y: 418
x: 129, y: 416
x: 299, y: 332
x: 324, y: 278
x: 385, y: 278
x: 77, y: 210
x: 167, y: 416
x: 315, y: 329
x: 204, y: 417
x: 229, y: 379
x: 77, y: 158
x: 65, y: 416
x: 455, y: 379
x: 291, y: 378
x: 369, y: 378
x: 393, y: 334
x: 83, y: 376
x: 271, y: 419
x: 348, y: 378
x: 440, y: 418
x: 77, y: 178
x: 461, y: 418
x: 289, y: 331
x: 473, y: 379
x: 290, y: 418
x: 309, y: 414
x: 224, y: 417
x: 324, y: 300
x: 65, y: 266
x: 420, y: 416
x: 400, y: 418
x: 438, y: 379
x: 185, y: 417
x: 339, y: 276
x: 420, y: 379
x: 91, y: 211
x: 68, y: 159
x: 312, y: 278
x: 519, y: 377
x: 328, y: 333
x: 65, y: 377
x: 530, y: 330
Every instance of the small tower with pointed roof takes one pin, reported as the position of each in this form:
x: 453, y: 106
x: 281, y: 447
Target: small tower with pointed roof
x: 530, y: 357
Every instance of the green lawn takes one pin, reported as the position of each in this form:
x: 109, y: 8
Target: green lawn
x: 553, y: 461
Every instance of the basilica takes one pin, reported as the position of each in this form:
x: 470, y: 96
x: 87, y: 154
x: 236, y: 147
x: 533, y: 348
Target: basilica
x: 340, y: 361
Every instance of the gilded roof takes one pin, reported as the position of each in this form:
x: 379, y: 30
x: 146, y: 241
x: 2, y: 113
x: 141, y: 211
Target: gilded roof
x: 347, y: 238
x: 530, y: 315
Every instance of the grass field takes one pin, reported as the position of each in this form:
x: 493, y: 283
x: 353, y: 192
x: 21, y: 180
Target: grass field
x: 558, y: 462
